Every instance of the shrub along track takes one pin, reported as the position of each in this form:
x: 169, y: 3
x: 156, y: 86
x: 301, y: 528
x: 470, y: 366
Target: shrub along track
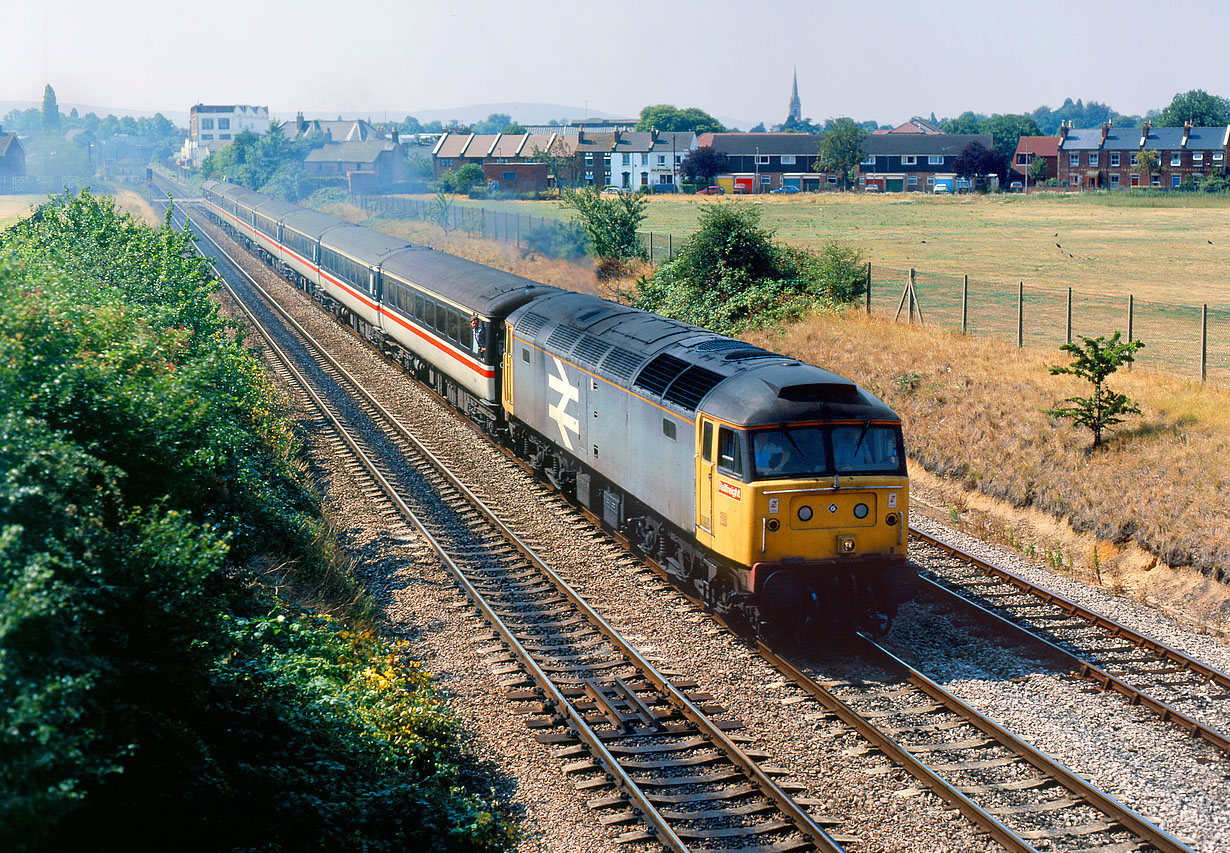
x: 950, y: 831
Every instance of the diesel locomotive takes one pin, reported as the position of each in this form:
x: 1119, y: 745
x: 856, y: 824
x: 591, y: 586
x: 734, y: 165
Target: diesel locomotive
x: 777, y: 490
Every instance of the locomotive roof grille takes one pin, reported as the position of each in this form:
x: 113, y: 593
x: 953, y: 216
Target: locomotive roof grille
x: 531, y: 324
x: 692, y: 386
x: 563, y: 338
x: 591, y: 350
x: 748, y: 353
x: 718, y: 345
x: 621, y: 363
x: 657, y: 376
x: 819, y: 392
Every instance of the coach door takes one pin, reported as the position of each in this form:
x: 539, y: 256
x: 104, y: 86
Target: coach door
x: 510, y: 352
x: 705, y: 461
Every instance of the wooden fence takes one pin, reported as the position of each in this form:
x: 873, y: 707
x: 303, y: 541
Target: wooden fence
x: 1190, y: 340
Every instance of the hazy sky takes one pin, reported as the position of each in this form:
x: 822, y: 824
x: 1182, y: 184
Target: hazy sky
x: 884, y: 60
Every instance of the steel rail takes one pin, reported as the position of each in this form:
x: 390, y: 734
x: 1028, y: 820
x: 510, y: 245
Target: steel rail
x: 1100, y: 677
x: 1115, y: 629
x: 1091, y: 794
x: 801, y: 820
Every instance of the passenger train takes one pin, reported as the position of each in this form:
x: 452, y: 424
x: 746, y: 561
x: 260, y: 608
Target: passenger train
x: 776, y: 489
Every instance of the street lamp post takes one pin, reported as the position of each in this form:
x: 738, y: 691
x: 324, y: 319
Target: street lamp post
x: 756, y: 180
x: 1027, y: 165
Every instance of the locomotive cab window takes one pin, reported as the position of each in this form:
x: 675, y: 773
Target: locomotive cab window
x: 730, y: 452
x: 706, y: 443
x: 867, y: 448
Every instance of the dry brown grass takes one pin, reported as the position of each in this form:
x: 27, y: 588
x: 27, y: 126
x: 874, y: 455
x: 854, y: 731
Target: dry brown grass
x: 581, y: 276
x: 14, y: 207
x: 972, y: 410
x: 135, y: 203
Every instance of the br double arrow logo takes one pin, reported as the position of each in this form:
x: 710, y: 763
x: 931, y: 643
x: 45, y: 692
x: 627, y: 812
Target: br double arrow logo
x: 568, y: 393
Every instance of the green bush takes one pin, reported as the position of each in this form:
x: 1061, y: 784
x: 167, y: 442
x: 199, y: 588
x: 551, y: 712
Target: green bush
x: 150, y: 689
x: 610, y: 221
x: 730, y: 275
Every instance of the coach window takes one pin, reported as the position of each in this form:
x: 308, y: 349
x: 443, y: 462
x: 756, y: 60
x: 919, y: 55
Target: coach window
x: 454, y: 333
x: 730, y: 454
x: 441, y: 323
x: 467, y: 336
x: 418, y: 307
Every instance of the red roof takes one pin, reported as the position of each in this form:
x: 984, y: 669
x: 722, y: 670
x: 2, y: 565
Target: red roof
x: 1043, y: 146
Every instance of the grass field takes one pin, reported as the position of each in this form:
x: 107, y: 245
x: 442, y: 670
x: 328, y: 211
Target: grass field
x: 1170, y: 249
x: 14, y: 207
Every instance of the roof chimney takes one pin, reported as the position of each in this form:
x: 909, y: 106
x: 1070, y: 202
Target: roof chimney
x: 299, y: 122
x: 396, y: 138
x: 1063, y: 130
x: 1187, y: 130
x: 1105, y: 130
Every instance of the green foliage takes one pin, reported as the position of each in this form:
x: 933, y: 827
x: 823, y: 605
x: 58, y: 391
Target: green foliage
x: 610, y: 221
x: 148, y: 687
x: 494, y: 123
x: 51, y: 111
x: 1038, y: 171
x: 667, y: 117
x: 730, y: 275
x: 270, y: 164
x: 440, y: 210
x: 1196, y: 106
x: 557, y: 240
x: 1095, y: 360
x: 1006, y: 131
x: 462, y: 179
x: 703, y: 164
x: 1147, y: 162
x: 841, y: 149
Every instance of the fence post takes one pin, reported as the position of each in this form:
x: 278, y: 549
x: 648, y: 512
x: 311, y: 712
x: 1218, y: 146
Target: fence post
x: 1131, y: 306
x: 912, y: 300
x: 670, y: 246
x: 1204, y: 342
x: 965, y: 303
x: 1069, y: 325
x: 868, y: 282
x: 651, y: 247
x: 1020, y: 315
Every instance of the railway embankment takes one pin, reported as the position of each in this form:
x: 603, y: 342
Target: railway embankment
x: 179, y: 648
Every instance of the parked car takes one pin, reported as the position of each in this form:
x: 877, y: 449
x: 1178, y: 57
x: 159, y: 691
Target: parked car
x: 713, y: 190
x: 1015, y: 187
x: 665, y: 188
x: 942, y: 189
x: 740, y: 189
x: 786, y: 190
x: 613, y: 190
x: 873, y: 188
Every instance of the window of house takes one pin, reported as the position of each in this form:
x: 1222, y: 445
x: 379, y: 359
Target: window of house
x: 1155, y: 181
x: 589, y: 175
x: 1176, y: 158
x: 909, y: 160
x: 764, y: 179
x: 930, y: 180
x: 589, y: 159
x: 1093, y: 158
x: 224, y: 124
x: 832, y: 179
x: 510, y: 176
x: 207, y: 136
x: 1132, y: 162
x: 1074, y: 160
x: 224, y: 136
x: 1114, y: 158
x: 935, y: 159
x: 447, y: 162
x: 1218, y: 156
x: 1114, y: 181
x: 912, y: 181
x: 606, y: 158
x: 1197, y: 158
x: 762, y: 160
x: 788, y: 159
x: 207, y: 124
x: 1021, y: 159
x: 869, y: 160
x: 627, y: 159
x: 1075, y: 180
x: 661, y: 159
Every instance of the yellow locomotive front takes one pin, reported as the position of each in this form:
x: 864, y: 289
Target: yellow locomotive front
x: 805, y: 494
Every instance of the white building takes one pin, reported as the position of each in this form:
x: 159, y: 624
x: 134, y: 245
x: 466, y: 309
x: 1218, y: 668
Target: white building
x: 210, y: 126
x: 644, y: 159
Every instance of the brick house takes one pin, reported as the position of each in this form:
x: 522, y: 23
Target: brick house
x: 762, y: 162
x: 516, y: 177
x: 455, y: 150
x: 370, y: 165
x: 12, y: 156
x: 1031, y: 148
x: 914, y: 162
x: 1107, y: 157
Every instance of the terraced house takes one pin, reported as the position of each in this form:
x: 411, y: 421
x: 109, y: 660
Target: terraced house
x: 904, y: 161
x: 1109, y: 157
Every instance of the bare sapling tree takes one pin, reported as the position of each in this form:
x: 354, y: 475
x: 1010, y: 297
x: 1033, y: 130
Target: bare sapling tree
x: 1095, y: 360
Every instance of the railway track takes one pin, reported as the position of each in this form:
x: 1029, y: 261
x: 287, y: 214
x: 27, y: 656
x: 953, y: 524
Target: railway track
x: 1017, y: 795
x: 655, y: 750
x: 1177, y: 688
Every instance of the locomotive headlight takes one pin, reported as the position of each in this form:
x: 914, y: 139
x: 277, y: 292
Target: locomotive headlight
x: 860, y: 511
x: 847, y: 545
x: 804, y: 513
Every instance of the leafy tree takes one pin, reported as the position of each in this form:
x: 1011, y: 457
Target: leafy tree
x: 1148, y: 162
x: 667, y: 117
x: 1196, y: 106
x: 561, y: 163
x: 514, y: 128
x: 798, y: 125
x: 841, y: 149
x: 610, y: 221
x: 703, y: 163
x: 1006, y: 130
x: 51, y: 111
x: 1095, y: 360
x: 730, y: 274
x: 462, y: 179
x: 1038, y: 171
x: 967, y: 122
x: 759, y: 128
x: 410, y: 126
x: 440, y: 211
x: 976, y: 161
x: 493, y: 123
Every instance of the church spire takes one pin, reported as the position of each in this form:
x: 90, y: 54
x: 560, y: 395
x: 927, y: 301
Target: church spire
x: 796, y: 108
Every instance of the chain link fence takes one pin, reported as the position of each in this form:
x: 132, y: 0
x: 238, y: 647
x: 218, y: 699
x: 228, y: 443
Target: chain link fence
x: 1189, y: 340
